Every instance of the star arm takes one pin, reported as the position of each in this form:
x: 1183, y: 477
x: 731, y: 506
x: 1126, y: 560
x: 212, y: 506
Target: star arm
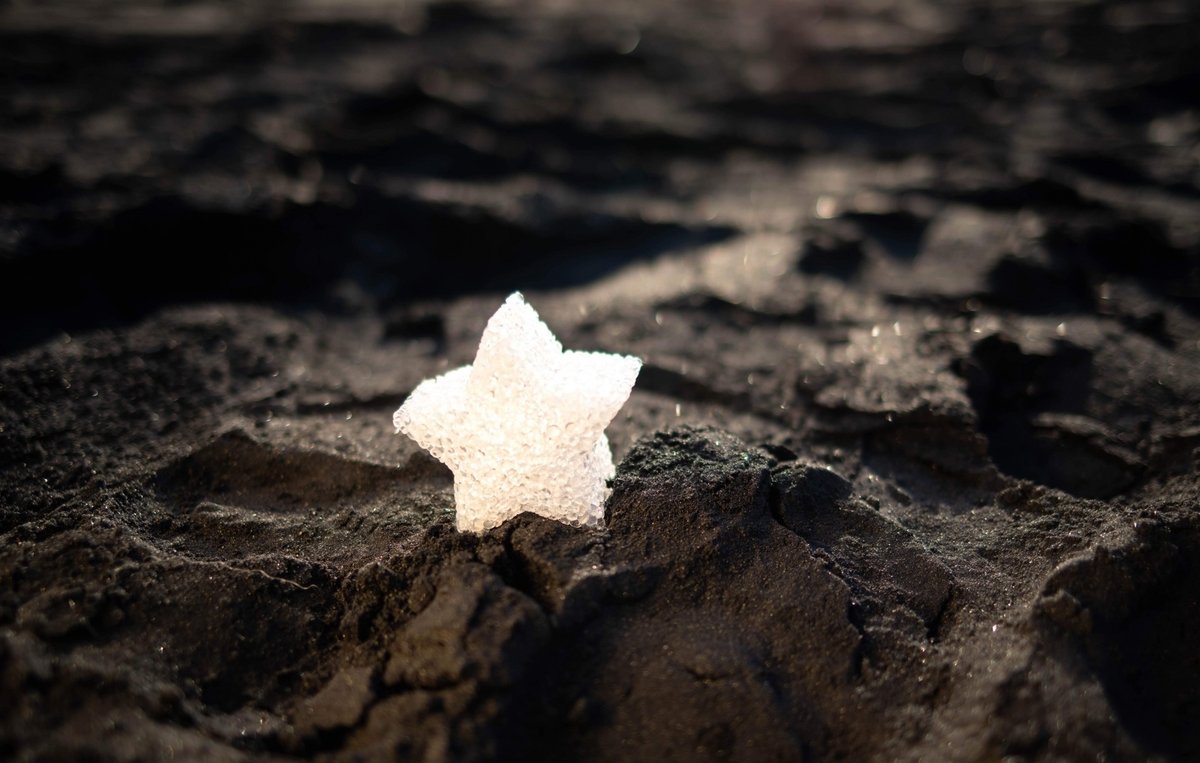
x: 516, y: 345
x: 600, y: 382
x: 434, y: 412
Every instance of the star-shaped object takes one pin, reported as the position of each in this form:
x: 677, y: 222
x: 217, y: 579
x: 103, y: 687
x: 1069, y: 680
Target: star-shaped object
x: 523, y: 428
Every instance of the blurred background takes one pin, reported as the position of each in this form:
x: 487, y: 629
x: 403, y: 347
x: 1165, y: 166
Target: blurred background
x: 352, y: 156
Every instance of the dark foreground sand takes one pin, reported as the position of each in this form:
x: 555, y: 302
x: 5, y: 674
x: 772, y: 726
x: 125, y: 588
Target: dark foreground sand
x: 910, y: 473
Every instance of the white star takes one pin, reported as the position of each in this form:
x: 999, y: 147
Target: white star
x: 523, y: 428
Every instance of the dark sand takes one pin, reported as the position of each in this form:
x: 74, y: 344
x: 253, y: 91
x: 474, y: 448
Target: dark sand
x: 910, y: 472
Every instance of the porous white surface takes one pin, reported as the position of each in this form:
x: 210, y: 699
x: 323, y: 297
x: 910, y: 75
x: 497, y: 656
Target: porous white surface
x: 523, y: 428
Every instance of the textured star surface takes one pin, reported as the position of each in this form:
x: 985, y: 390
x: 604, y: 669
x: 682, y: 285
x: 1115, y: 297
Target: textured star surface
x: 523, y: 427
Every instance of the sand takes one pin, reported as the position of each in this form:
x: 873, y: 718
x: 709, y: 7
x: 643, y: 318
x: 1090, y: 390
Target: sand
x: 909, y: 474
